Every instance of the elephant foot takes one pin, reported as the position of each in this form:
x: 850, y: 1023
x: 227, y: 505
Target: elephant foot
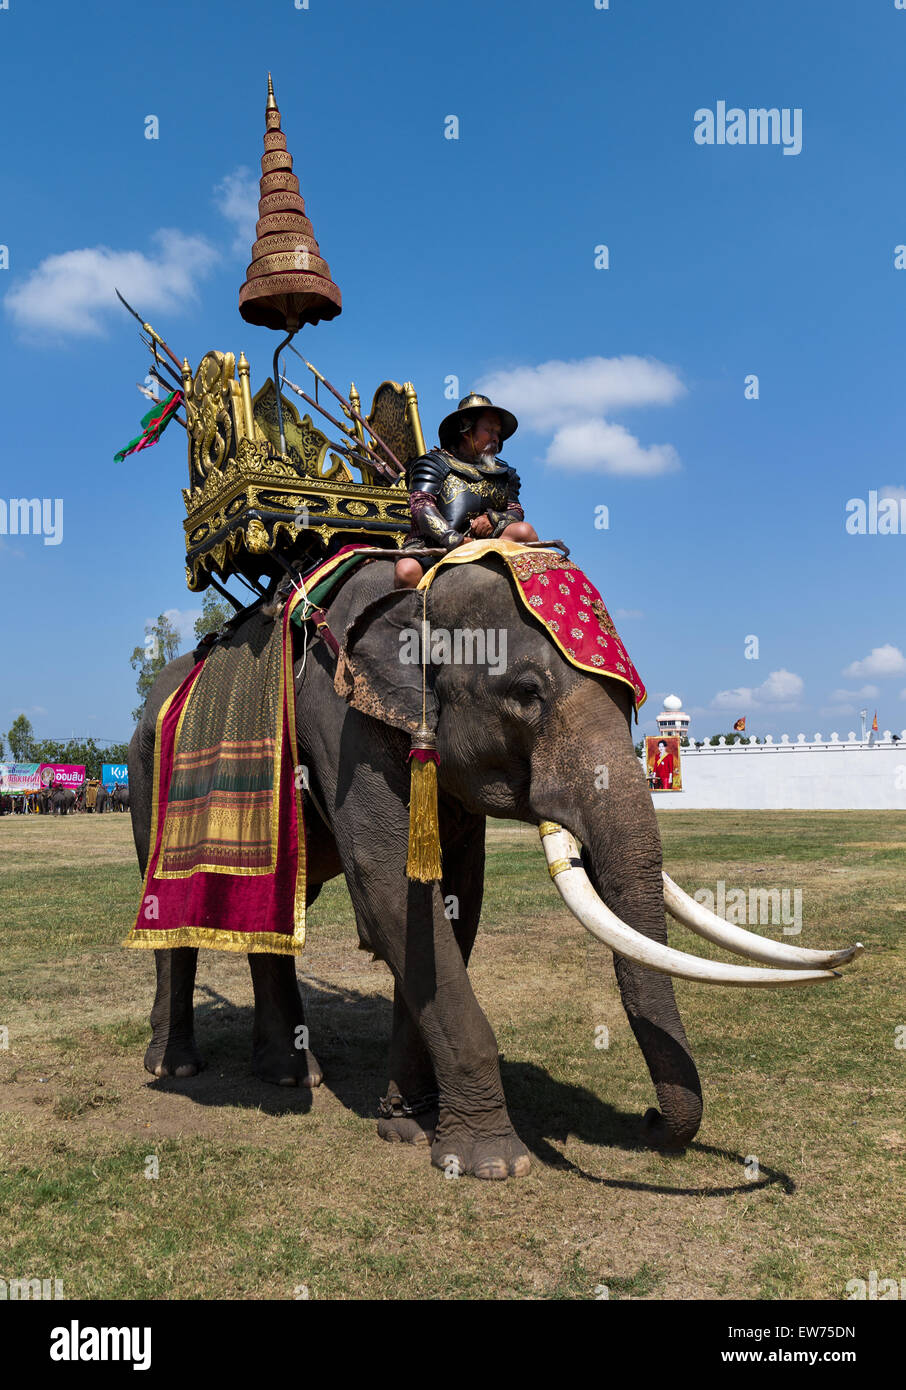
x: 169, y: 1058
x: 493, y: 1159
x: 409, y: 1129
x: 657, y: 1134
x: 281, y: 1068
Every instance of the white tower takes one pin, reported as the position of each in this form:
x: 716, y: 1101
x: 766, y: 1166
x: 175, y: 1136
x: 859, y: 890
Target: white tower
x: 673, y: 718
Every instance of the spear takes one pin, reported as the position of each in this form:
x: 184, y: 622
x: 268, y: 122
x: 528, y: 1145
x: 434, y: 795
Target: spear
x: 353, y: 413
x: 168, y: 388
x: 373, y: 461
x: 149, y: 330
x: 160, y: 361
x: 147, y: 392
x: 162, y: 381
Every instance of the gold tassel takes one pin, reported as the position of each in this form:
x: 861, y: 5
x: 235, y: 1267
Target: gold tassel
x: 423, y: 863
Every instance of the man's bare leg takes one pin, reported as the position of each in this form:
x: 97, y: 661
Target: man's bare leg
x: 519, y: 531
x: 407, y: 574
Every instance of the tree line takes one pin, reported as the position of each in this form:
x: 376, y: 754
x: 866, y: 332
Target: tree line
x: 161, y: 645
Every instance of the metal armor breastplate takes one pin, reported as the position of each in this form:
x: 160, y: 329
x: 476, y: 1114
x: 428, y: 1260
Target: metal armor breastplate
x: 469, y: 489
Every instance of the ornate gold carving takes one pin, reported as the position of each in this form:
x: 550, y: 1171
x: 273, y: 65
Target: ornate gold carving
x: 245, y: 390
x: 488, y: 489
x: 414, y: 418
x: 235, y: 466
x: 256, y: 538
x: 209, y: 414
x: 394, y: 415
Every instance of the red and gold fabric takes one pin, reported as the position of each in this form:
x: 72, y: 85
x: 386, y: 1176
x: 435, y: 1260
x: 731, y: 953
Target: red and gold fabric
x: 227, y: 861
x: 564, y: 601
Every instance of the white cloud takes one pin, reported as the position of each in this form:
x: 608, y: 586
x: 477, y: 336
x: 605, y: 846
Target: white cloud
x: 896, y: 492
x: 597, y: 445
x: 570, y: 400
x: 236, y: 198
x: 70, y: 292
x: 628, y: 613
x: 781, y: 690
x: 881, y: 661
x: 554, y: 393
x: 844, y: 697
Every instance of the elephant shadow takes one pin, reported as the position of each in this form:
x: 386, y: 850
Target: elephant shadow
x: 546, y: 1111
x: 349, y: 1034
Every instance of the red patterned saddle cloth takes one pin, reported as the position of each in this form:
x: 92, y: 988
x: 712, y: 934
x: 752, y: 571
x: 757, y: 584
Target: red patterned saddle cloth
x: 227, y: 860
x: 565, y: 602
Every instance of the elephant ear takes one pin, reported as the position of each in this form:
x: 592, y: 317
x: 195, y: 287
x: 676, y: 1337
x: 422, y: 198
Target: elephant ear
x: 379, y: 667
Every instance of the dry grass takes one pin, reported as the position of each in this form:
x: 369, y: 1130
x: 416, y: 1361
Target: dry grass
x: 261, y: 1191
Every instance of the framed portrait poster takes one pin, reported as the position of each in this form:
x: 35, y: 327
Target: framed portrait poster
x: 662, y: 763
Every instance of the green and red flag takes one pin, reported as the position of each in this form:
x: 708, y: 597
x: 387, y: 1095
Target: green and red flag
x: 153, y: 425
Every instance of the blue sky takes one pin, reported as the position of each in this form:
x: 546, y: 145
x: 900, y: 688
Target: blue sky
x: 475, y: 258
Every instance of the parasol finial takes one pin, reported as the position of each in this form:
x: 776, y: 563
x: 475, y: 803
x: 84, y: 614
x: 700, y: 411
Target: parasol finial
x: 288, y: 282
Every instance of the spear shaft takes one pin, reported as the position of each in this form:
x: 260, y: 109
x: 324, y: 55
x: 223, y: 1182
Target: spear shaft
x: 149, y: 330
x: 167, y: 387
x: 354, y: 414
x: 373, y: 462
x: 160, y: 361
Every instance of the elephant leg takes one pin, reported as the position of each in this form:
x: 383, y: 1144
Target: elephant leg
x: 409, y: 1111
x: 172, y: 1050
x: 405, y: 924
x: 280, y: 1051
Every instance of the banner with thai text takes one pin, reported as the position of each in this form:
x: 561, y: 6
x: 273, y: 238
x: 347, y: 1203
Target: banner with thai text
x: 16, y: 778
x: 64, y: 775
x: 114, y: 775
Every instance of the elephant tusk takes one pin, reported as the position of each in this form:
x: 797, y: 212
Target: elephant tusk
x: 573, y: 885
x: 706, y: 923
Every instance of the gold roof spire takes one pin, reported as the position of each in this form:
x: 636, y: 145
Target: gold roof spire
x: 271, y: 99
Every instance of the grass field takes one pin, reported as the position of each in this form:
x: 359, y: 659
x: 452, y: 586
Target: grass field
x: 263, y: 1192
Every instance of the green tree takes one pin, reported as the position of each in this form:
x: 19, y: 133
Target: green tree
x: 215, y: 611
x: 21, y: 737
x: 160, y: 646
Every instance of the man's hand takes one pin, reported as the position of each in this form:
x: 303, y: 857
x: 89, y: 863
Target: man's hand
x: 480, y: 527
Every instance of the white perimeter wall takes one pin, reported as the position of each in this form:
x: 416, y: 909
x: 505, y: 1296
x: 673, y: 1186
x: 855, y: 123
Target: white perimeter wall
x: 819, y: 776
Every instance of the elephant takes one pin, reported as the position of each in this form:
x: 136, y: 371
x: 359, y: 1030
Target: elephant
x: 120, y: 798
x: 103, y: 799
x: 526, y: 743
x: 61, y: 800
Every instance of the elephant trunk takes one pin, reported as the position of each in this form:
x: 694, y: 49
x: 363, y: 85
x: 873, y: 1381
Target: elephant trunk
x: 605, y: 802
x: 628, y: 879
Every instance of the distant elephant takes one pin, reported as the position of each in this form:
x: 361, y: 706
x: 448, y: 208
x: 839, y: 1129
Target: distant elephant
x: 103, y: 799
x: 526, y: 743
x: 120, y: 798
x: 62, y: 800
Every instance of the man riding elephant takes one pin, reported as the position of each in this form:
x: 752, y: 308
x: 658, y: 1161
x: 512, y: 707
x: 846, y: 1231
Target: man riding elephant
x: 463, y: 491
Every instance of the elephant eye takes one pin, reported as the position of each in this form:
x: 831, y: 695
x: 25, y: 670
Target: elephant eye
x: 527, y: 689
